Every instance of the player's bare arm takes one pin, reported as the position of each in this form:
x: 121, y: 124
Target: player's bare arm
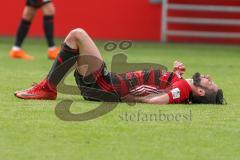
x: 150, y: 99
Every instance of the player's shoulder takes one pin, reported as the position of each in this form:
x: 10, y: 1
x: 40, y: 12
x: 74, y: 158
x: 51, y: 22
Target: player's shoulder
x: 170, y: 77
x: 182, y: 85
x: 180, y: 91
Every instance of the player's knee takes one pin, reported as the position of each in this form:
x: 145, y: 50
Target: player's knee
x: 28, y: 13
x: 48, y: 9
x: 78, y: 33
x: 50, y: 12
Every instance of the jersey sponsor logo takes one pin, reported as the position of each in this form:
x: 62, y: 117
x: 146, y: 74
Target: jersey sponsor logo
x: 175, y: 93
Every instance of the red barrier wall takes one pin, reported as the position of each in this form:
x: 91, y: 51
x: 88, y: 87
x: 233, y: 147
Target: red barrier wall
x: 201, y: 14
x: 109, y: 19
x: 117, y: 19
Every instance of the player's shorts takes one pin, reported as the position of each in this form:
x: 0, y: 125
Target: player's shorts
x: 97, y: 86
x: 37, y: 3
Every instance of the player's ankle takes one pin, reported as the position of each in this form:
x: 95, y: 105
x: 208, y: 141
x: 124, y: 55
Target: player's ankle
x: 51, y: 84
x: 52, y: 48
x: 16, y: 48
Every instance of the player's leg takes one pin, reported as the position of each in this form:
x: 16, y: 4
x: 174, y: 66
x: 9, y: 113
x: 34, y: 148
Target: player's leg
x: 77, y: 46
x: 48, y: 26
x: 90, y: 56
x: 24, y: 26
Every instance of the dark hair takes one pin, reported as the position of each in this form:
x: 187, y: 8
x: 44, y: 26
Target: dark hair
x: 196, y: 79
x: 210, y: 97
x: 219, y: 97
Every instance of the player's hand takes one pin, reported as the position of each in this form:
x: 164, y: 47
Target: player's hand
x: 128, y: 98
x: 179, y: 68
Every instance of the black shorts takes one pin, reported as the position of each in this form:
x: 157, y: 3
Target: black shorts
x: 37, y: 3
x: 92, y: 90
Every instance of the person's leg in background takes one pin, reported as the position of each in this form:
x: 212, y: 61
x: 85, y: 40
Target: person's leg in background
x: 48, y: 26
x: 24, y: 26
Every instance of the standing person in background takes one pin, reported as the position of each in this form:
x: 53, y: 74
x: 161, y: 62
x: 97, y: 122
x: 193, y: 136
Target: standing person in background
x: 29, y: 12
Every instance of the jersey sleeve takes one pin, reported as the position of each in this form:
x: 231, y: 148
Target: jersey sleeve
x: 179, y: 92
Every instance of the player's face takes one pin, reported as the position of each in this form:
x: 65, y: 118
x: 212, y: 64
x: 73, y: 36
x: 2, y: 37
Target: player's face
x: 206, y: 82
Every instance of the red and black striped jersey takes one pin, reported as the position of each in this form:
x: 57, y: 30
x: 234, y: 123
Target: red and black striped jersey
x: 144, y: 82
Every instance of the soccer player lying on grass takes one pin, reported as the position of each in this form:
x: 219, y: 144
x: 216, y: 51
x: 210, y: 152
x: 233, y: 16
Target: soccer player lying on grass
x: 140, y: 86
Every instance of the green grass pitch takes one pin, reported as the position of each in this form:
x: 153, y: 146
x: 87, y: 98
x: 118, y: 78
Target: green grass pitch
x: 31, y: 130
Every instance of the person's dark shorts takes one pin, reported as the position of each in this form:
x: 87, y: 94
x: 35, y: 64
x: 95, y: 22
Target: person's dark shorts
x: 37, y: 3
x: 92, y: 91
